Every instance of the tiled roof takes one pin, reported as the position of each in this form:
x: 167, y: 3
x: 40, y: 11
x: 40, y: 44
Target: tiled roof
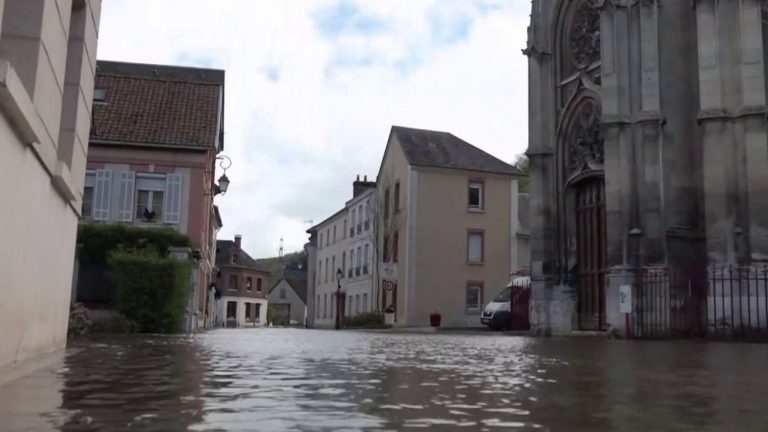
x: 225, y: 249
x: 160, y: 105
x: 444, y: 150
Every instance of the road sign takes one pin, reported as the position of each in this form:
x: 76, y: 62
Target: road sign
x: 625, y: 299
x: 389, y: 271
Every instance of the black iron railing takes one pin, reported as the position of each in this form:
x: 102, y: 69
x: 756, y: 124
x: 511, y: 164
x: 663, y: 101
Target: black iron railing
x: 720, y: 302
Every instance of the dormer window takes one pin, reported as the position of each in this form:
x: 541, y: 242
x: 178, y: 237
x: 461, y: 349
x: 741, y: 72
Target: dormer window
x: 100, y: 94
x: 234, y: 259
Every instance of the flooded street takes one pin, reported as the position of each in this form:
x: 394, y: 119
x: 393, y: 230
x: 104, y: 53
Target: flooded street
x: 305, y: 380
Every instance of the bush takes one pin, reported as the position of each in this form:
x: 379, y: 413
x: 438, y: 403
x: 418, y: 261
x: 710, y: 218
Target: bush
x: 151, y: 289
x: 365, y: 320
x: 271, y: 312
x: 79, y: 321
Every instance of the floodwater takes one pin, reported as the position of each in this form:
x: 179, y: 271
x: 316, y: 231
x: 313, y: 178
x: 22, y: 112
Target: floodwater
x: 307, y: 380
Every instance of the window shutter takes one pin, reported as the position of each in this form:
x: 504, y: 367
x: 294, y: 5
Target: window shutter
x: 172, y: 207
x: 103, y: 194
x: 127, y: 182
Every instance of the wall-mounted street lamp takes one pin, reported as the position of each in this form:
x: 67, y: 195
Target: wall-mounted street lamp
x: 224, y: 163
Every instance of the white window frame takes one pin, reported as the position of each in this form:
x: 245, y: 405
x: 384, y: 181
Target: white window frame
x: 152, y: 189
x: 480, y: 186
x: 474, y: 309
x: 481, y: 258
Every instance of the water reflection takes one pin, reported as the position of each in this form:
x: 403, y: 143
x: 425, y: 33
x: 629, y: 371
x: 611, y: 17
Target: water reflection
x: 297, y: 380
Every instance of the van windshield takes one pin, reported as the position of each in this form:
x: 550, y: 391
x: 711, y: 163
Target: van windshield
x: 503, y: 296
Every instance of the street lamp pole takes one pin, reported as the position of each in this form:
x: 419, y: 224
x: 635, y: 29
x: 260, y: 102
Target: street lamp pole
x: 339, y: 304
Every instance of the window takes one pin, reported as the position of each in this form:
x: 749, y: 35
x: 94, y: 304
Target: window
x: 319, y: 271
x: 100, y: 94
x: 385, y: 249
x: 386, y: 203
x: 282, y: 293
x: 257, y: 315
x: 474, y: 297
x: 359, y: 258
x: 475, y: 246
x: 150, y: 191
x: 325, y: 305
x: 248, y: 311
x: 90, y: 183
x: 333, y: 267
x: 248, y: 284
x: 345, y: 227
x: 395, y: 246
x: 326, y: 270
x: 351, y: 262
x: 360, y: 219
x: 233, y: 282
x: 344, y: 262
x: 317, y: 307
x: 328, y: 237
x: 365, y: 302
x: 231, y: 310
x: 476, y: 195
x: 367, y: 214
x: 357, y: 304
x: 365, y: 260
x: 320, y: 244
x: 235, y: 258
x: 258, y: 284
x: 354, y: 221
x: 334, y: 234
x: 397, y: 197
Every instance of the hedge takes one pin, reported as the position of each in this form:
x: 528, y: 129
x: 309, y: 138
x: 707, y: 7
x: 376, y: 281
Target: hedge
x: 96, y: 241
x: 365, y: 320
x: 151, y: 289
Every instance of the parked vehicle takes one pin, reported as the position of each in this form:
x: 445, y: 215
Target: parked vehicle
x: 500, y: 313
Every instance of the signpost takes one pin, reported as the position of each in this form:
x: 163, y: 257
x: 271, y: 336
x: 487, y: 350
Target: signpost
x: 625, y: 307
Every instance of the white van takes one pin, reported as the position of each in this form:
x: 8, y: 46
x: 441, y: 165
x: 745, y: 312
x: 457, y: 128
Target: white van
x: 497, y: 313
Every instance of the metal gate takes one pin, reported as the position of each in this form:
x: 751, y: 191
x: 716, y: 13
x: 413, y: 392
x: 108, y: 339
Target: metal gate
x: 590, y: 243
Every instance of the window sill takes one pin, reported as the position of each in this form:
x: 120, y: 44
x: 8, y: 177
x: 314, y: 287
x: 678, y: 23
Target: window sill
x: 475, y: 210
x: 475, y: 263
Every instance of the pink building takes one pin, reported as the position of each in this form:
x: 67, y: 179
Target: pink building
x: 155, y: 135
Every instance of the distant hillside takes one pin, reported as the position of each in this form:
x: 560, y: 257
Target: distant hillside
x: 275, y: 265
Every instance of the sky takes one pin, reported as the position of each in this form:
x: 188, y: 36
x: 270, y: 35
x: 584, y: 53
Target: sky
x: 314, y: 86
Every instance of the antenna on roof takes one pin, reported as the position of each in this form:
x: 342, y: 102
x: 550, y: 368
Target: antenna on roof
x: 280, y: 253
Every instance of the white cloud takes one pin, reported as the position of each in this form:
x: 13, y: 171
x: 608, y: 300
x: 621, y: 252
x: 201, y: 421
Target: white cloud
x: 307, y: 110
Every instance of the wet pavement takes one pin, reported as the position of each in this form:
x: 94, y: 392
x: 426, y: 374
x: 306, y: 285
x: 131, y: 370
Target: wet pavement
x: 306, y: 380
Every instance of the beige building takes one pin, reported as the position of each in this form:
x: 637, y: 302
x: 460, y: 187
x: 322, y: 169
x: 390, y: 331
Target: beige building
x: 47, y: 62
x: 445, y: 228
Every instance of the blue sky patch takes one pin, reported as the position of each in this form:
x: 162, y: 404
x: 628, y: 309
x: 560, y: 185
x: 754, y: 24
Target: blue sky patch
x: 346, y: 17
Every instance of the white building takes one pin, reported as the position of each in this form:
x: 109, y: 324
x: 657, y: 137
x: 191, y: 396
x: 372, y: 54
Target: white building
x: 343, y: 243
x: 47, y: 66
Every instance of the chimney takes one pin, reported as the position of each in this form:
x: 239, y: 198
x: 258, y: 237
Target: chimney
x: 238, y: 240
x: 359, y: 187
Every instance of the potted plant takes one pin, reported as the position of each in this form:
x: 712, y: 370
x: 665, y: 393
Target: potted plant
x: 434, y: 319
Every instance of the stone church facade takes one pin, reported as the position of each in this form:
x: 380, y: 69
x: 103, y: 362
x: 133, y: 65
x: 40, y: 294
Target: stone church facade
x: 648, y: 148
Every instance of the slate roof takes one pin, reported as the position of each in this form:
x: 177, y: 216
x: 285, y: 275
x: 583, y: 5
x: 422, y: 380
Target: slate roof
x: 160, y: 105
x: 225, y: 249
x: 444, y: 150
x: 297, y: 279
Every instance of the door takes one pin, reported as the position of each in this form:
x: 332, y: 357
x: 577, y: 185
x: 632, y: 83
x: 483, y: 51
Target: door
x: 590, y: 243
